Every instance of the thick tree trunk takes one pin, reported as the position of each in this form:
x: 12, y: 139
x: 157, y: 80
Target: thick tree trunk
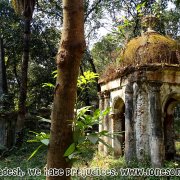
x: 68, y: 61
x: 24, y: 78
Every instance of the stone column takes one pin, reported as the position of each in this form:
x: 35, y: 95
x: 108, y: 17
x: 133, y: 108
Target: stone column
x: 101, y: 128
x: 141, y: 121
x: 112, y: 117
x: 156, y: 126
x: 106, y: 124
x: 129, y: 125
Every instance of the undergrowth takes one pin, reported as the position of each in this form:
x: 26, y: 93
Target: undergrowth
x: 89, y: 158
x: 18, y: 158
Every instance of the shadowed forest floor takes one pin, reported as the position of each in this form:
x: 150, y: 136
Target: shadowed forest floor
x: 88, y: 159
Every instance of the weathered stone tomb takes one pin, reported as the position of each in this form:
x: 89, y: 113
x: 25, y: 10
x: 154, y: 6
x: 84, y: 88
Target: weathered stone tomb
x: 142, y: 94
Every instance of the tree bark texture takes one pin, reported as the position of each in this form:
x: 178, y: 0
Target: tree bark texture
x: 27, y: 12
x: 24, y: 78
x: 69, y: 55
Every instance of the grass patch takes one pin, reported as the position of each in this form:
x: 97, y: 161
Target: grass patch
x: 18, y: 158
x: 89, y: 158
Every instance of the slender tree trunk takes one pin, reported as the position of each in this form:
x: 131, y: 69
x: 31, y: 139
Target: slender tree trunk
x: 15, y: 73
x: 24, y: 79
x: 68, y: 61
x: 90, y: 59
x: 3, y: 80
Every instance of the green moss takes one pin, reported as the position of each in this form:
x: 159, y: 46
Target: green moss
x: 150, y: 48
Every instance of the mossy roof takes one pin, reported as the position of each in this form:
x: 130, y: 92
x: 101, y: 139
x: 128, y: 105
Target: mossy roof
x: 150, y: 48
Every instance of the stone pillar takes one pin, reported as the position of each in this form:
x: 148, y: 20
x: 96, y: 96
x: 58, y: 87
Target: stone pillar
x: 156, y: 126
x: 107, y: 124
x: 112, y: 118
x: 129, y: 125
x: 101, y: 128
x: 141, y: 121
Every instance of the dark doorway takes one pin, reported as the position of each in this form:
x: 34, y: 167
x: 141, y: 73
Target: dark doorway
x: 177, y: 130
x: 172, y: 129
x: 119, y: 126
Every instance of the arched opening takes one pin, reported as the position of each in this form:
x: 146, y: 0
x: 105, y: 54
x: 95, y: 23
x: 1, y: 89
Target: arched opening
x: 119, y: 126
x: 172, y: 128
x: 177, y: 129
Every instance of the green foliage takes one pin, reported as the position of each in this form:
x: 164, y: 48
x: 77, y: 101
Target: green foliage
x: 42, y: 138
x: 84, y: 83
x: 87, y: 78
x: 70, y: 149
x: 17, y: 157
x: 44, y: 40
x: 6, y: 101
x: 172, y: 164
x: 106, y: 51
x: 128, y: 25
x: 83, y: 80
x: 108, y: 162
x: 48, y: 85
x: 140, y: 6
x: 35, y: 151
x: 54, y: 73
x: 82, y: 132
x: 82, y: 122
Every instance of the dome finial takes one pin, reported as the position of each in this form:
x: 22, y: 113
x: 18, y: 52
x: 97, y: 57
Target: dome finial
x: 149, y: 22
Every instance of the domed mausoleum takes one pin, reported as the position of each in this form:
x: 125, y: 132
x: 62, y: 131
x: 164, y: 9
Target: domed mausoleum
x: 143, y: 92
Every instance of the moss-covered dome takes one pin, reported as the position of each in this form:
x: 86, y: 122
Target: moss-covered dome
x: 148, y: 50
x: 151, y: 47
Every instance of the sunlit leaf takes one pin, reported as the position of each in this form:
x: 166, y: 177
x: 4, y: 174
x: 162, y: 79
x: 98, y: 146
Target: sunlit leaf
x: 48, y: 85
x: 70, y: 150
x: 34, y: 152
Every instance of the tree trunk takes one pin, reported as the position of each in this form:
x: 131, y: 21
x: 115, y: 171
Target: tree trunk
x: 94, y: 70
x: 68, y: 61
x: 23, y: 85
x: 91, y: 61
x: 3, y: 80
